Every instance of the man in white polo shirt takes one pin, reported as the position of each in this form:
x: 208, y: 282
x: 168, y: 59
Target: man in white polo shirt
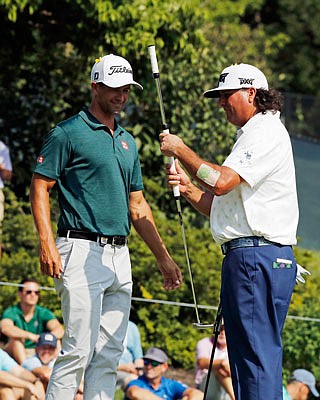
x: 252, y: 203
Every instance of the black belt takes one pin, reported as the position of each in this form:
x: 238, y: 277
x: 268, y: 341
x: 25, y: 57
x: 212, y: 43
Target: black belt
x: 250, y: 241
x: 94, y: 237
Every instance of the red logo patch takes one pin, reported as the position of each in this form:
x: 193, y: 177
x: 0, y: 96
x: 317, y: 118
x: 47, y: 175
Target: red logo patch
x: 40, y: 159
x: 124, y: 145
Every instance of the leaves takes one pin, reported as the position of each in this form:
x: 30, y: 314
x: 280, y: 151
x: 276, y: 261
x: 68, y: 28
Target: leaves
x: 47, y: 50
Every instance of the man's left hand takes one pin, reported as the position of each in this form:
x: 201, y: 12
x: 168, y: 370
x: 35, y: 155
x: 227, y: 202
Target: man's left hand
x: 172, y: 277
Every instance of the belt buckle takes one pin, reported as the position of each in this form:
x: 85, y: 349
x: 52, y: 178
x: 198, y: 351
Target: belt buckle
x: 103, y: 240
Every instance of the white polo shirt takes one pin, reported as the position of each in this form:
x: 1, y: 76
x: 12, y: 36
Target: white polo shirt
x: 266, y: 203
x: 5, y: 160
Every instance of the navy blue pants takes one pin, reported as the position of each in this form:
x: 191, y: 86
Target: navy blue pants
x: 255, y: 295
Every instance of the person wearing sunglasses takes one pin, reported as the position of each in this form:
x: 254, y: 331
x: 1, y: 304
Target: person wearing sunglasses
x: 23, y: 323
x: 153, y: 385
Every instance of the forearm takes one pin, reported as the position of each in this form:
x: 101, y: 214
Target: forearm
x: 143, y: 222
x: 193, y: 394
x: 40, y: 206
x: 137, y: 393
x: 26, y: 375
x: 42, y: 373
x: 204, y: 363
x: 199, y: 199
x: 55, y: 328
x: 14, y: 332
x: 50, y: 260
x: 10, y: 380
x: 58, y: 332
x: 191, y: 161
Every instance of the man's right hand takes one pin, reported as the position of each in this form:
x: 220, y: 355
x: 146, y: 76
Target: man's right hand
x: 32, y: 336
x: 177, y: 178
x: 50, y: 260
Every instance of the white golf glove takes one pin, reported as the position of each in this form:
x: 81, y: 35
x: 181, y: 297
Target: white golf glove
x: 300, y: 272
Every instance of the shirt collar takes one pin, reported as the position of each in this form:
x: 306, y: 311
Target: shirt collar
x: 255, y: 119
x: 92, y: 121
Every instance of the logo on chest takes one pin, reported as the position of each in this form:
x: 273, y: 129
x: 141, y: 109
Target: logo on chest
x: 125, y: 145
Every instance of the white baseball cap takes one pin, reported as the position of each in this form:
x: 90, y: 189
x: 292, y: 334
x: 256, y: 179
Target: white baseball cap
x: 113, y: 71
x: 239, y: 76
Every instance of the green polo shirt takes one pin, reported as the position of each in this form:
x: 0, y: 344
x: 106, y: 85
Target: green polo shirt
x: 37, y: 324
x: 95, y: 173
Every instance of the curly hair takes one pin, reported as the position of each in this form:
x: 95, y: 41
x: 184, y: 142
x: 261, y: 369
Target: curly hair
x: 269, y: 100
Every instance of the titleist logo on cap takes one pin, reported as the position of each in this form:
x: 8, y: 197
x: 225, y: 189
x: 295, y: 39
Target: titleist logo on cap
x: 117, y: 69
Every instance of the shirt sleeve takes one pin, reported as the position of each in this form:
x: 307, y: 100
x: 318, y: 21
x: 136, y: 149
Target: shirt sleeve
x: 55, y: 154
x: 46, y: 315
x: 177, y: 388
x: 6, y: 362
x: 135, y: 343
x: 9, y: 314
x: 31, y: 363
x: 5, y: 158
x: 136, y: 382
x: 203, y: 348
x: 256, y: 158
x: 136, y: 182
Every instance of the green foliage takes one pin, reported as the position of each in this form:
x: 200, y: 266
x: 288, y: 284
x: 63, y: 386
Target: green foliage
x: 46, y: 54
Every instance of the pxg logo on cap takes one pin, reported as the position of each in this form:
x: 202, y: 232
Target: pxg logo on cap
x: 113, y: 71
x: 239, y: 76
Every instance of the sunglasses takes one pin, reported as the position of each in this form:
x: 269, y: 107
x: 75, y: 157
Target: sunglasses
x: 36, y: 292
x: 152, y: 362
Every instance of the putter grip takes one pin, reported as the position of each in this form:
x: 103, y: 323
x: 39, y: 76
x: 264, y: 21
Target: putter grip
x: 153, y: 59
x: 176, y: 191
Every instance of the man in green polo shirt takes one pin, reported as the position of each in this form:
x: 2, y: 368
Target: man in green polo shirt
x: 24, y: 322
x: 94, y: 164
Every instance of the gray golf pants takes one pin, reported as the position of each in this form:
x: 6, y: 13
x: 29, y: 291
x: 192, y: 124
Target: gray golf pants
x: 95, y: 292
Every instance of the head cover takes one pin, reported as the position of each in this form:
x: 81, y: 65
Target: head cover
x: 306, y: 377
x: 113, y: 71
x: 239, y: 76
x: 156, y: 354
x: 47, y: 339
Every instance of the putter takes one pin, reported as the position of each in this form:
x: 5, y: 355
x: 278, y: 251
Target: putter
x: 216, y: 331
x: 176, y: 192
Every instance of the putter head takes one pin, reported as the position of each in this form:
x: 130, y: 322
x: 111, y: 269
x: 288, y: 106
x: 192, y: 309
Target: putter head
x: 199, y: 325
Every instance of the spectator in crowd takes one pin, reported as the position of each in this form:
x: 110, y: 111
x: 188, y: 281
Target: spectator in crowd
x: 25, y: 321
x: 5, y: 175
x: 301, y: 384
x: 152, y: 385
x: 131, y: 362
x: 17, y: 383
x: 41, y: 363
x: 220, y: 383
